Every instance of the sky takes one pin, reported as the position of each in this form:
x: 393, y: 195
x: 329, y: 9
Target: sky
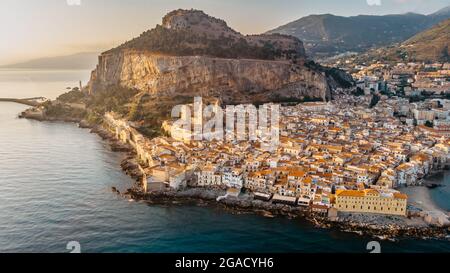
x: 33, y: 29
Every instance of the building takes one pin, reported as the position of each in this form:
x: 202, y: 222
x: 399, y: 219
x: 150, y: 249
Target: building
x: 371, y: 201
x: 208, y: 177
x: 233, y: 178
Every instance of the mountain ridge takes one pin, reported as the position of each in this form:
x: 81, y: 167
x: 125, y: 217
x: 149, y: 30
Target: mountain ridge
x: 193, y: 32
x: 430, y: 45
x: 81, y: 60
x: 192, y: 53
x: 326, y: 35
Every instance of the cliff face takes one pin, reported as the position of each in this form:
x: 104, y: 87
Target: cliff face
x: 229, y: 66
x: 232, y: 80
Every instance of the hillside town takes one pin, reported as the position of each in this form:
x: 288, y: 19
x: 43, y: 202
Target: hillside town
x: 344, y: 155
x: 410, y: 80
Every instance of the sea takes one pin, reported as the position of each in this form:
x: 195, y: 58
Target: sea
x: 55, y: 188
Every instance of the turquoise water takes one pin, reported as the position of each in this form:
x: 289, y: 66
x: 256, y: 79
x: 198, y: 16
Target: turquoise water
x: 441, y: 195
x: 55, y: 187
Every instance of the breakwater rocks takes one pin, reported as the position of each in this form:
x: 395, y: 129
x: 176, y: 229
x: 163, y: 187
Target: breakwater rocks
x: 387, y: 231
x: 383, y: 227
x: 131, y: 167
x: 377, y: 226
x: 104, y: 134
x: 33, y: 114
x: 197, y: 196
x: 40, y: 115
x: 85, y: 124
x: 116, y: 145
x: 129, y: 164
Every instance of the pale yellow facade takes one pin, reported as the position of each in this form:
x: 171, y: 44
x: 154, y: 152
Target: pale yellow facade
x: 371, y: 201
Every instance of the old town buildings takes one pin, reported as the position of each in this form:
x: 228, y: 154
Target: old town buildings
x: 341, y: 154
x: 371, y: 201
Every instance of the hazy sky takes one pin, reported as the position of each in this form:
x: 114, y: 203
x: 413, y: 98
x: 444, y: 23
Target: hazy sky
x: 39, y: 28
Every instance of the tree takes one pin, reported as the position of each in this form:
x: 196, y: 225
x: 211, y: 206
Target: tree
x: 429, y: 124
x: 445, y: 54
x: 374, y: 101
x: 359, y: 92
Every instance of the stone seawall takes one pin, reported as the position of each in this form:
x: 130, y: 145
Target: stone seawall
x: 378, y: 226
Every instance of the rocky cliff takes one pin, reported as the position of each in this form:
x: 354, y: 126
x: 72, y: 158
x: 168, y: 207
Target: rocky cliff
x: 232, y: 80
x: 192, y: 53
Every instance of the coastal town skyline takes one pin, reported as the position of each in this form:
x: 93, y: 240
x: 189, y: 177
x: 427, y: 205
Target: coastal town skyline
x: 49, y: 28
x: 172, y: 130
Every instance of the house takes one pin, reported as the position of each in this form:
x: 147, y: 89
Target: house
x: 233, y: 178
x: 208, y: 176
x: 406, y: 174
x: 304, y: 201
x: 287, y: 200
x: 172, y: 176
x: 320, y: 209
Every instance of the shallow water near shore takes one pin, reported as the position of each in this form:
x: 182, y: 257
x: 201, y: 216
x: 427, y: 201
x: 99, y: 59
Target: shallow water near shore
x: 55, y: 187
x: 441, y: 195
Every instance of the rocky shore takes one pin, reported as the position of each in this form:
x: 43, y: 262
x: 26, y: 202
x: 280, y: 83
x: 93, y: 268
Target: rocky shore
x: 386, y: 227
x: 377, y: 226
x: 39, y: 115
x: 129, y: 164
x: 199, y: 196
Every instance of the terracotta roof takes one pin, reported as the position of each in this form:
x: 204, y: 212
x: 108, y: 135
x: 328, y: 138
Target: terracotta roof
x: 398, y: 195
x: 350, y: 193
x: 297, y: 173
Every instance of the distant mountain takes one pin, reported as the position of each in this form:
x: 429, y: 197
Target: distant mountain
x: 442, y: 13
x: 328, y: 35
x: 192, y: 32
x: 431, y: 45
x: 193, y: 54
x: 85, y: 60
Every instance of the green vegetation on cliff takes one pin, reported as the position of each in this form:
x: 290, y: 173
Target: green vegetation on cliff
x: 73, y: 96
x: 113, y: 98
x: 185, y: 42
x: 60, y: 111
x: 431, y: 45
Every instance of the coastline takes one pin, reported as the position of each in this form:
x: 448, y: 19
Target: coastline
x: 421, y: 198
x: 377, y: 226
x: 372, y: 225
